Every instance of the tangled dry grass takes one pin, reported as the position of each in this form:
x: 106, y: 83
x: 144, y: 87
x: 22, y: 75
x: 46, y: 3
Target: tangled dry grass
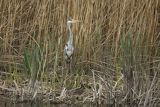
x: 116, y: 47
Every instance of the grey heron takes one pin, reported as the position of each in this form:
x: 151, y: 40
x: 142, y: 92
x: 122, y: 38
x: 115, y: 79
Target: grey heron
x: 69, y: 48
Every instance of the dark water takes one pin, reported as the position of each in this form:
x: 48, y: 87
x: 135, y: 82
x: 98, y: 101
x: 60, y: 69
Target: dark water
x: 6, y: 103
x: 39, y: 104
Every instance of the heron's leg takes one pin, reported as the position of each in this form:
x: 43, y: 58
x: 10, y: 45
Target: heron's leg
x: 71, y: 66
x: 65, y: 74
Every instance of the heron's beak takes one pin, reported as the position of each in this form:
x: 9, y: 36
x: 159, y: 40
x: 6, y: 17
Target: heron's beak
x: 75, y: 21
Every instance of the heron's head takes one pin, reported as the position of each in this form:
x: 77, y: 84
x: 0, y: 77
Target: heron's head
x: 71, y: 21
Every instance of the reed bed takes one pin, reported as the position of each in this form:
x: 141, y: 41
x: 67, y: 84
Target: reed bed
x: 117, y: 48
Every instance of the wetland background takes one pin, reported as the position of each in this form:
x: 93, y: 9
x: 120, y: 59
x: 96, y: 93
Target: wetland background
x: 116, y: 58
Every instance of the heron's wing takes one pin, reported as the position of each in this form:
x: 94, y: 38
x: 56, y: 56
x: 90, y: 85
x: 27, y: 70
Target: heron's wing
x: 68, y: 51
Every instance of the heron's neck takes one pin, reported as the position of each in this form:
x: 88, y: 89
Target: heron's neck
x: 70, y: 39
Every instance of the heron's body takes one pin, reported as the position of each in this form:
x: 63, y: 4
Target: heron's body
x: 69, y: 48
x: 68, y: 51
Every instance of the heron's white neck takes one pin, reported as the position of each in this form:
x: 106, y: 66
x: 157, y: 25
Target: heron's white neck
x: 70, y: 39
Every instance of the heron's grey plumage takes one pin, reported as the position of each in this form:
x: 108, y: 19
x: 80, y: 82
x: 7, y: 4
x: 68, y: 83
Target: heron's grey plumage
x: 68, y: 49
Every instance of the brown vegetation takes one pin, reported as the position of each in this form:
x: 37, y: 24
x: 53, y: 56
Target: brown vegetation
x: 117, y: 48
